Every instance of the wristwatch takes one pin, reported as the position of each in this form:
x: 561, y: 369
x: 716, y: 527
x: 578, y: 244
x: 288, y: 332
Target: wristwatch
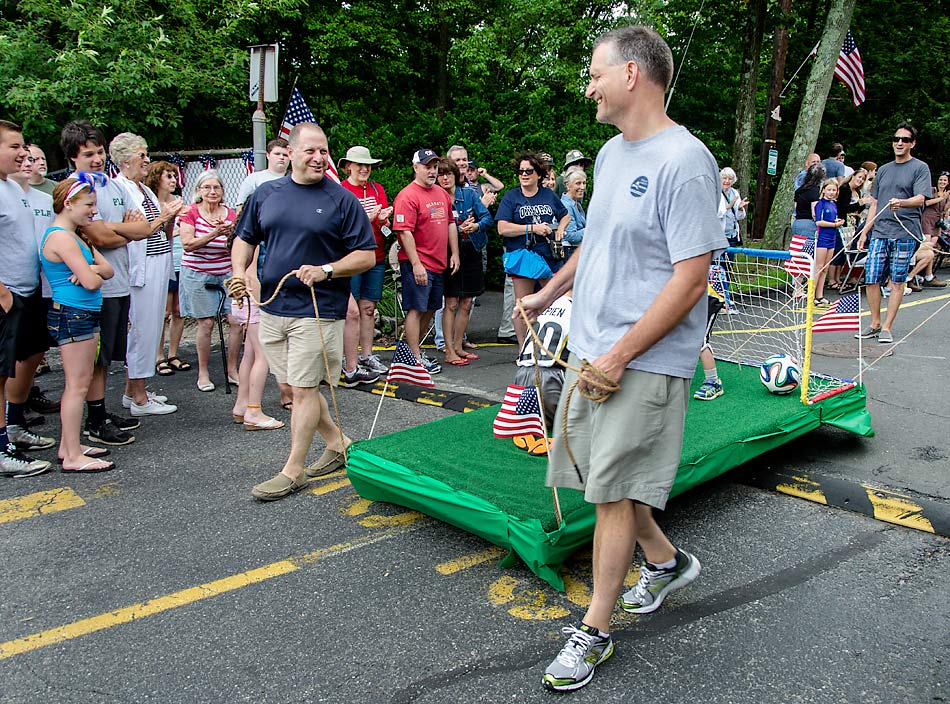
x: 328, y: 270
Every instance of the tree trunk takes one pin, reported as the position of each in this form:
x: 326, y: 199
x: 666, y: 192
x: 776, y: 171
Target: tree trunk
x: 809, y: 118
x: 742, y: 153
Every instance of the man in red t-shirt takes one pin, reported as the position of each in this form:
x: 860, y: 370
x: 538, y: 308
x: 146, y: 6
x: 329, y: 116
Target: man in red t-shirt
x: 425, y: 225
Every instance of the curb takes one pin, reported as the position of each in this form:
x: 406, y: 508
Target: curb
x: 881, y: 504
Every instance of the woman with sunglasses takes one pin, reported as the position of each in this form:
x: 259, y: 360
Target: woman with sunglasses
x: 205, y: 232
x: 530, y: 218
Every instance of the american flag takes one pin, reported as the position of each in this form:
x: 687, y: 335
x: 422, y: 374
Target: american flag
x: 112, y: 169
x: 842, y: 315
x: 247, y: 156
x: 208, y: 161
x: 405, y: 367
x: 297, y: 112
x: 520, y: 413
x: 802, y: 260
x: 849, y: 69
x: 718, y: 282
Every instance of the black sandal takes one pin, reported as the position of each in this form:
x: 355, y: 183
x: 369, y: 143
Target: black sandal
x: 178, y: 365
x: 163, y: 368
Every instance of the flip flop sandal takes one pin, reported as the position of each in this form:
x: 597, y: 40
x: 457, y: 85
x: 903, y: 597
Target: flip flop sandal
x: 163, y: 368
x: 238, y: 420
x: 95, y: 453
x: 466, y: 345
x: 269, y: 424
x: 458, y: 362
x: 286, y: 405
x: 89, y: 467
x: 178, y: 365
x: 470, y: 355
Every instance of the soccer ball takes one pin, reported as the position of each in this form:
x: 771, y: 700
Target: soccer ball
x: 780, y: 373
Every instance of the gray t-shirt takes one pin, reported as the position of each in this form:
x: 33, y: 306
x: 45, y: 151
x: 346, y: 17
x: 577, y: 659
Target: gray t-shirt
x: 655, y: 203
x: 111, y: 202
x: 20, y: 263
x: 251, y: 182
x: 43, y: 216
x: 833, y: 168
x: 904, y: 180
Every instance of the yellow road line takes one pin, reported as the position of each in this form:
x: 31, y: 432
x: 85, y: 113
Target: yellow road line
x: 327, y: 487
x: 41, y: 502
x: 476, y: 558
x: 187, y: 596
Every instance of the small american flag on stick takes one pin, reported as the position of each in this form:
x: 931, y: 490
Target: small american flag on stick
x: 520, y: 413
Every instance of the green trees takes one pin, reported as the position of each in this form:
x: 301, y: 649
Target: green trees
x: 498, y: 76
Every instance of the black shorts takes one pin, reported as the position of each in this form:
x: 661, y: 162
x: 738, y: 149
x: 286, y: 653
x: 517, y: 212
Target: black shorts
x: 713, y: 306
x: 32, y: 336
x: 113, y: 330
x: 9, y: 322
x: 469, y: 280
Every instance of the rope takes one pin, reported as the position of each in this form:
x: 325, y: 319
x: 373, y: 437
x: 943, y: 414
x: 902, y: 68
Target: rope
x: 603, y: 386
x: 544, y: 431
x: 242, y: 293
x: 699, y: 13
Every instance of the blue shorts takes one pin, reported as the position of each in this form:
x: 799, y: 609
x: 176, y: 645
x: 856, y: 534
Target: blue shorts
x: 806, y: 228
x: 416, y: 297
x: 70, y: 324
x: 368, y: 286
x: 888, y: 258
x: 173, y: 282
x: 827, y: 236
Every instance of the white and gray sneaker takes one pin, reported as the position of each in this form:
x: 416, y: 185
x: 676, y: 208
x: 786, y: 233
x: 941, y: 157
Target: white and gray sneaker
x: 128, y: 400
x: 574, y: 665
x: 358, y: 376
x: 654, y: 584
x: 153, y: 408
x: 14, y: 463
x: 373, y: 363
x: 27, y: 440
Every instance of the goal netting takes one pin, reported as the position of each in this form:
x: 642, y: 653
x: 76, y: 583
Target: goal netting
x: 765, y: 296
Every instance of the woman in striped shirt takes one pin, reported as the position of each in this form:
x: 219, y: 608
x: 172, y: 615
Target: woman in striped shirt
x: 205, y: 232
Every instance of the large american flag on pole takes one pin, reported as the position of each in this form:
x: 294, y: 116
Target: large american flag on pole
x: 520, y: 413
x: 405, y: 367
x: 842, y: 315
x: 802, y: 261
x: 297, y: 112
x: 849, y: 69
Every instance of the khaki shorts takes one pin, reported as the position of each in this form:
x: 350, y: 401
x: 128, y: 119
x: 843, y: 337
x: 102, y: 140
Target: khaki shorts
x: 294, y: 352
x: 627, y: 447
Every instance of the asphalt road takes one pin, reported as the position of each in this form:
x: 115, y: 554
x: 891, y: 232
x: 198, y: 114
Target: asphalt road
x: 163, y: 581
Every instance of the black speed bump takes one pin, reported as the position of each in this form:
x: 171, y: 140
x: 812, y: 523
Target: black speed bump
x: 881, y: 504
x: 449, y: 400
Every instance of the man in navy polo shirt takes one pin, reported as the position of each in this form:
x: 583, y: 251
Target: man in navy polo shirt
x: 317, y: 229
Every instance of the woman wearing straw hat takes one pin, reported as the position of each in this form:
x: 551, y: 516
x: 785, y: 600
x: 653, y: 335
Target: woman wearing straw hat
x: 366, y: 288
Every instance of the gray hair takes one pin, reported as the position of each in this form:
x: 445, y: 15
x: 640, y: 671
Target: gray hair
x: 572, y: 175
x: 124, y: 146
x: 727, y: 171
x: 203, y: 177
x: 455, y: 148
x: 644, y: 47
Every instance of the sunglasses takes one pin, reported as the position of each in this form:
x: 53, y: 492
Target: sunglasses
x: 905, y: 140
x: 525, y: 172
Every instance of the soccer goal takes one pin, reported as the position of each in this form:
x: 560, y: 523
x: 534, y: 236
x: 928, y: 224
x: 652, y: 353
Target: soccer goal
x: 767, y: 308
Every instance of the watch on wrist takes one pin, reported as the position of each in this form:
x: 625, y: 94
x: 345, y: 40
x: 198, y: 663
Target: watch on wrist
x: 328, y: 270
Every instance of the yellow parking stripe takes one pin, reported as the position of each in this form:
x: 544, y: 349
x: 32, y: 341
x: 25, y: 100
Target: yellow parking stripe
x: 41, y: 502
x: 466, y: 561
x: 184, y: 597
x: 898, y: 509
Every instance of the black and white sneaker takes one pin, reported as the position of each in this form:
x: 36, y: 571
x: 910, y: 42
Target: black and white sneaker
x: 431, y: 365
x: 27, y: 440
x: 654, y: 584
x: 40, y: 402
x: 124, y: 423
x: 107, y: 433
x: 14, y: 463
x: 358, y: 376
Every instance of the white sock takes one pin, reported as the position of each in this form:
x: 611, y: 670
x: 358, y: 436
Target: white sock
x: 711, y: 375
x: 929, y: 277
x: 668, y: 565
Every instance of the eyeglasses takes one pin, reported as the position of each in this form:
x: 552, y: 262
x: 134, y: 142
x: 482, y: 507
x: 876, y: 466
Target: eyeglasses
x: 210, y: 188
x: 525, y: 172
x: 905, y: 140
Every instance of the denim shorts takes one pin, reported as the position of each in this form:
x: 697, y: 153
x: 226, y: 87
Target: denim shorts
x: 368, y: 286
x: 421, y: 298
x: 69, y: 324
x: 888, y: 258
x: 194, y: 299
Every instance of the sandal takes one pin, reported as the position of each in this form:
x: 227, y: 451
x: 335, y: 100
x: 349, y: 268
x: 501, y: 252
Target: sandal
x: 91, y: 467
x: 178, y: 365
x: 286, y: 405
x: 93, y: 453
x: 469, y: 355
x: 163, y: 368
x: 460, y: 362
x: 466, y: 345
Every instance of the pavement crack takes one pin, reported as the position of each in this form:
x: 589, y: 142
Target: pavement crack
x: 915, y: 409
x: 658, y: 624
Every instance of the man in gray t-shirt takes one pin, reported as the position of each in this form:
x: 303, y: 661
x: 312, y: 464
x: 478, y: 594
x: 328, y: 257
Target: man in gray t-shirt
x: 639, y: 282
x: 902, y: 186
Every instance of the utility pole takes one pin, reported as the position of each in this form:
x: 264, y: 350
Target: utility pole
x: 763, y: 187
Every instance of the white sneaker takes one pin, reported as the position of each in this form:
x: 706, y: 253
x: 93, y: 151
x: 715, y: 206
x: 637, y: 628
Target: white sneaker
x: 373, y: 363
x: 153, y: 408
x: 127, y: 400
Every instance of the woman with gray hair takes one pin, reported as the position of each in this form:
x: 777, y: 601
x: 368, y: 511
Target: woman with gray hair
x: 732, y: 207
x: 575, y: 186
x: 150, y: 267
x: 205, y: 231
